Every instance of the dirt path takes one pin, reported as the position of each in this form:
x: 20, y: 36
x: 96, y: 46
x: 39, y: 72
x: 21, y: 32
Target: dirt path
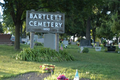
x: 30, y: 76
x: 33, y: 76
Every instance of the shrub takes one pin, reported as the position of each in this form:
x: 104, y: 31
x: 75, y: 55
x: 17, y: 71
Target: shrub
x: 43, y: 54
x: 106, y: 49
x: 85, y: 50
x: 117, y: 50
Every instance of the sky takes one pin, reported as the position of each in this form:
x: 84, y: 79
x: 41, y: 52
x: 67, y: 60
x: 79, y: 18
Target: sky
x: 1, y: 9
x: 0, y: 6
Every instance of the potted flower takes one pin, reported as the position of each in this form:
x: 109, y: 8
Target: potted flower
x: 78, y: 43
x: 62, y: 77
x: 47, y: 68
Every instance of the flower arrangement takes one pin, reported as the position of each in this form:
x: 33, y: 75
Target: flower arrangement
x: 47, y: 68
x: 62, y: 77
x: 78, y: 43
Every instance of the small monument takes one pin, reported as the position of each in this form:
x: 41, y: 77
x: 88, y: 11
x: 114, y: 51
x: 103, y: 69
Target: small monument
x: 111, y: 48
x: 85, y: 43
x: 97, y: 48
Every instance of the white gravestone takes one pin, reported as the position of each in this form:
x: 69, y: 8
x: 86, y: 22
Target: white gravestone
x: 65, y: 42
x: 41, y: 40
x: 81, y: 49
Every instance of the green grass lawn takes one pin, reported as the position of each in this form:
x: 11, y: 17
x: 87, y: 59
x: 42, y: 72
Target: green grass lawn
x: 94, y: 65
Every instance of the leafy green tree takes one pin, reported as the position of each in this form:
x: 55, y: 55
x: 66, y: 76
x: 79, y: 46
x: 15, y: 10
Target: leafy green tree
x: 17, y: 10
x: 105, y: 30
x: 74, y: 24
x: 112, y: 6
x: 8, y: 23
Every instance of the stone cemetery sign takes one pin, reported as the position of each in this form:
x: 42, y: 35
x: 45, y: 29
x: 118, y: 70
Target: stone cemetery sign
x: 47, y: 22
x: 52, y: 23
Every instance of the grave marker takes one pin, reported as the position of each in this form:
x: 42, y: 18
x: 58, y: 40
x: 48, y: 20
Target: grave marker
x: 85, y: 43
x: 65, y: 42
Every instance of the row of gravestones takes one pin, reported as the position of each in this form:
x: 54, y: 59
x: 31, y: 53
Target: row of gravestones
x: 109, y: 47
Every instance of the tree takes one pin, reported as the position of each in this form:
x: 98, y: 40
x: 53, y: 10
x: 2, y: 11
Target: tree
x: 74, y: 24
x: 1, y: 28
x: 112, y: 6
x: 17, y: 10
x: 8, y: 23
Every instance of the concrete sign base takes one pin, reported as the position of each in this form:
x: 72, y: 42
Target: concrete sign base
x: 51, y: 41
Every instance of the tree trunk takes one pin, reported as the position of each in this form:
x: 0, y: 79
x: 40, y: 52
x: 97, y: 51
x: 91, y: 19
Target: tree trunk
x: 88, y: 31
x: 94, y: 32
x: 74, y: 38
x: 17, y: 37
x: 24, y: 33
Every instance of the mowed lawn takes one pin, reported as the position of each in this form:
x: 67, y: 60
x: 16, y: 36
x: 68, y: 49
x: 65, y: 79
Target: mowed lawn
x: 93, y: 65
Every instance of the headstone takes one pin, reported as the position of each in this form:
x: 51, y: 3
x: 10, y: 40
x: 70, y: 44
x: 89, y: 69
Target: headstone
x: 41, y: 40
x: 97, y: 43
x: 12, y: 39
x: 35, y: 37
x: 65, y: 42
x: 111, y: 48
x: 73, y: 43
x: 97, y: 48
x: 24, y: 40
x: 85, y: 43
x: 81, y: 49
x: 119, y: 45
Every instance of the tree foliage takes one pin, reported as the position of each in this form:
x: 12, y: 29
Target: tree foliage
x: 80, y: 15
x: 17, y: 10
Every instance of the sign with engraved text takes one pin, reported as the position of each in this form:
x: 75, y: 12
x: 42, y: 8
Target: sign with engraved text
x: 47, y: 22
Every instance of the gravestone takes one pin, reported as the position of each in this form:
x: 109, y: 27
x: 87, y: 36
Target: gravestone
x: 85, y: 43
x: 111, y: 48
x: 97, y: 48
x: 81, y: 49
x: 65, y: 42
x: 119, y: 45
x: 41, y: 40
x: 73, y: 43
x: 97, y: 43
x: 5, y: 39
x: 35, y: 38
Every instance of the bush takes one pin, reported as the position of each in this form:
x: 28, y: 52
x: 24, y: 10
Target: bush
x: 106, y: 49
x: 43, y: 54
x: 85, y: 50
x: 117, y: 50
